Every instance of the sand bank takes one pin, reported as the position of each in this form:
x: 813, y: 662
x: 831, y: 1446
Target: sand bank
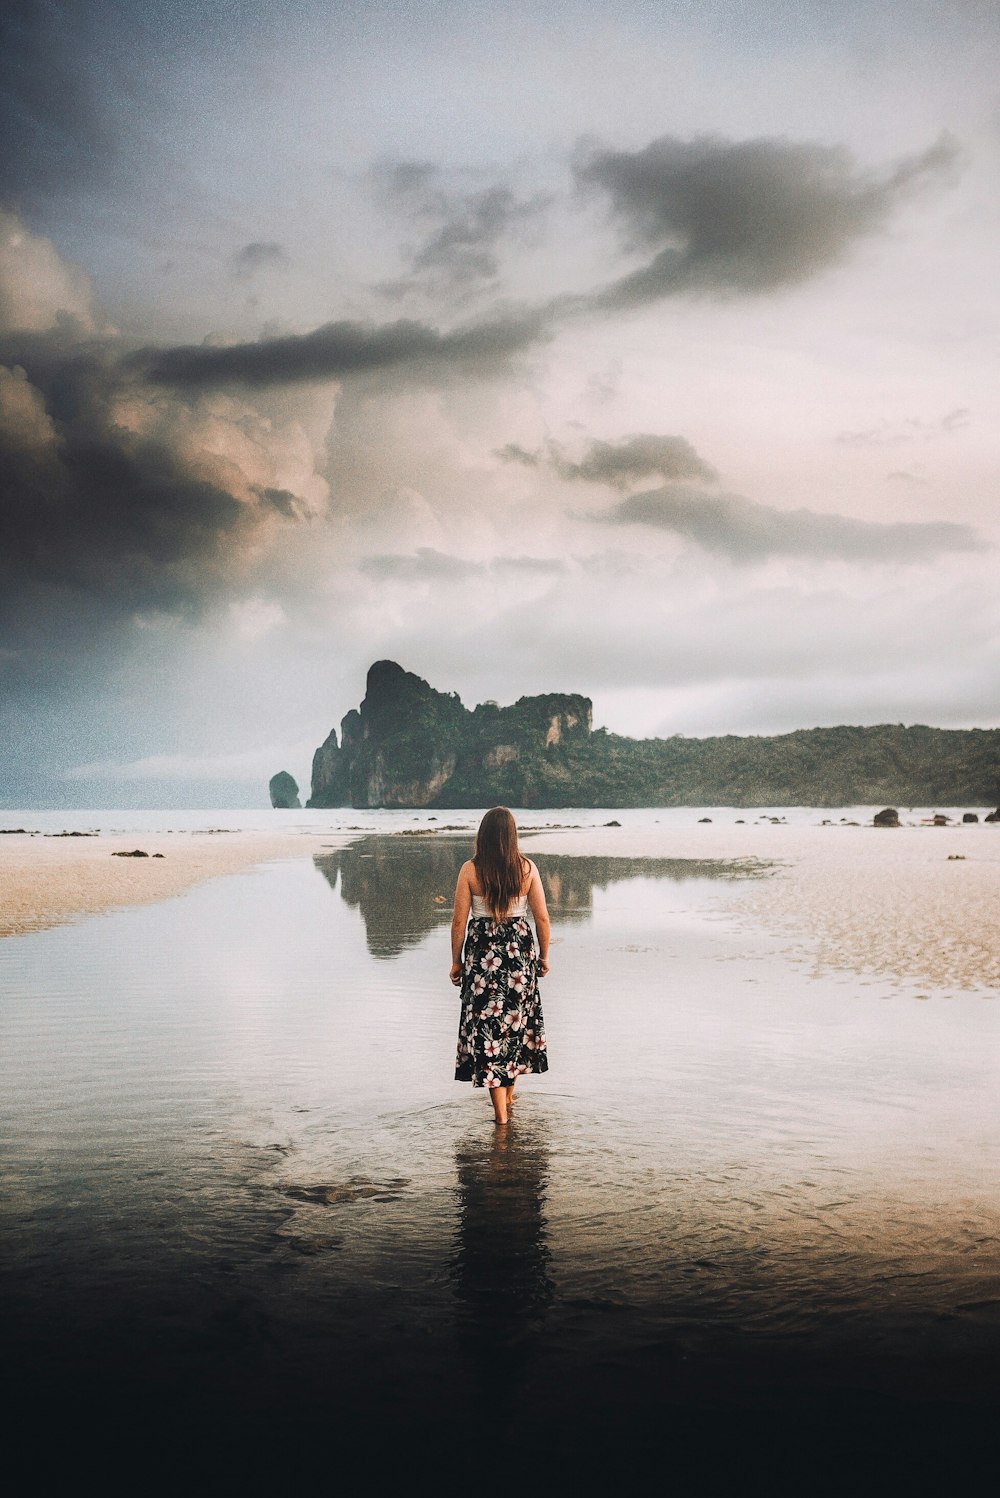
x: 45, y: 881
x: 914, y: 903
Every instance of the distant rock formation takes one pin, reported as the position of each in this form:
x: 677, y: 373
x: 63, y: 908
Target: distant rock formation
x: 412, y: 746
x: 889, y: 817
x: 284, y: 792
x: 994, y: 816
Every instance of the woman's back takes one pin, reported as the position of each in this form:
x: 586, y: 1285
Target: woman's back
x: 519, y: 904
x: 481, y: 910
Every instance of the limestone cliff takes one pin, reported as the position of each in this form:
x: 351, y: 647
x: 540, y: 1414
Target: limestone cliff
x: 410, y: 745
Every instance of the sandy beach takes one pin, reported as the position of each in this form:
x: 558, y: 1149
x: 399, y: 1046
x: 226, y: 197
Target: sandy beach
x: 48, y: 880
x: 915, y: 903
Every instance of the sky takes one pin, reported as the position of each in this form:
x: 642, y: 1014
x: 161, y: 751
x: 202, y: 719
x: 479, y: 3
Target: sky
x: 647, y: 351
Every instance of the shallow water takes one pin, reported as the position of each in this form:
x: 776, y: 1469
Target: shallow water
x: 241, y: 1184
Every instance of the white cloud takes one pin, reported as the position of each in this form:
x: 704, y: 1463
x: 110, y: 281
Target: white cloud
x: 37, y: 285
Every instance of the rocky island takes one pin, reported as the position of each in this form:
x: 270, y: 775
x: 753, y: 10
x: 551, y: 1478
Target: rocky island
x: 409, y: 745
x: 284, y: 792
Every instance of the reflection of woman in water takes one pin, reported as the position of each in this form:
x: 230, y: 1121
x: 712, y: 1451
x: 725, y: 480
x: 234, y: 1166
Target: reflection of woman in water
x: 501, y: 1033
x: 501, y: 1263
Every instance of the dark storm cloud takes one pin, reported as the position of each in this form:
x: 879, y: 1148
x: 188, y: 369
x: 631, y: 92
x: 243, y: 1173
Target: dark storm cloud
x: 339, y: 349
x: 513, y: 452
x: 746, y: 532
x: 633, y: 458
x: 281, y: 500
x: 744, y: 216
x: 411, y: 181
x: 464, y: 247
x: 261, y: 254
x: 91, y: 506
x: 464, y: 228
x: 619, y: 464
x: 56, y: 86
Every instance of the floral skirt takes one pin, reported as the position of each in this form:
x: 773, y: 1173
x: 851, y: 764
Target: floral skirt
x: 501, y: 1033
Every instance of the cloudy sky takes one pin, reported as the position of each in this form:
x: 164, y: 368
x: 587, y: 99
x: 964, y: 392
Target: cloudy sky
x: 647, y: 351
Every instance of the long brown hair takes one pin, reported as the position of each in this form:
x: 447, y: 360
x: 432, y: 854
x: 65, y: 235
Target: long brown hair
x: 497, y: 860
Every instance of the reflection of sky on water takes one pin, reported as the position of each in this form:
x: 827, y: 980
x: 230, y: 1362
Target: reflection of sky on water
x: 404, y: 887
x: 233, y: 1145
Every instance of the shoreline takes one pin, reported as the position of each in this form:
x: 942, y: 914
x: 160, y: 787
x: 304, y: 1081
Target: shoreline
x: 56, y: 879
x: 915, y: 903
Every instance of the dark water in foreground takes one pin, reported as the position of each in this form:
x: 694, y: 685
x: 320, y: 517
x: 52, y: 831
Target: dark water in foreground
x: 744, y: 1233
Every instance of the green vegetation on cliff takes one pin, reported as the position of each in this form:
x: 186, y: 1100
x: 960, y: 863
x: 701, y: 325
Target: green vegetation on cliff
x: 412, y: 746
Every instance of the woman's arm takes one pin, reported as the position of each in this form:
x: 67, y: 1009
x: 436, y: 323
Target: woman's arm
x: 540, y: 911
x: 459, y: 921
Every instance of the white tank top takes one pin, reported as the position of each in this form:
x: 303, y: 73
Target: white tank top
x: 479, y: 908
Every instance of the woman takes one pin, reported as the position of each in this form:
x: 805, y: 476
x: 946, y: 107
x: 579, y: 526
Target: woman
x: 501, y: 1033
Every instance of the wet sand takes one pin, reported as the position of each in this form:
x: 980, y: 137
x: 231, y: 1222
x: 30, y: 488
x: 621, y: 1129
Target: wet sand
x: 914, y: 903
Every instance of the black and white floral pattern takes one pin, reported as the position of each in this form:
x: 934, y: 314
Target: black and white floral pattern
x: 501, y: 1033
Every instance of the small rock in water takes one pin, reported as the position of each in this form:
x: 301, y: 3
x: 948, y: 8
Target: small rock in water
x: 612, y: 824
x: 358, y: 1188
x: 888, y: 817
x: 704, y: 819
x: 956, y: 857
x: 135, y: 853
x: 284, y: 792
x: 969, y: 816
